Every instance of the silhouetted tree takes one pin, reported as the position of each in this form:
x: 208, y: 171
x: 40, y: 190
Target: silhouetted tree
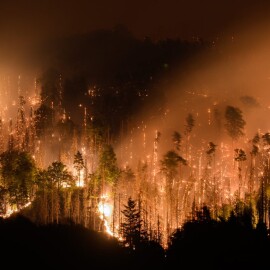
x: 207, y: 240
x: 240, y: 157
x: 78, y: 165
x: 190, y: 122
x: 132, y: 225
x: 234, y: 122
x: 253, y: 153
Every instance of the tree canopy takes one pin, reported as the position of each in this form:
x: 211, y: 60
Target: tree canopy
x: 234, y: 122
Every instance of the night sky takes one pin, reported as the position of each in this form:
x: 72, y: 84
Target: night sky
x: 21, y: 21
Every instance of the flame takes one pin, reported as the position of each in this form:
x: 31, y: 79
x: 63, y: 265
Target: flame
x: 13, y: 210
x: 80, y: 183
x: 107, y: 228
x: 105, y: 213
x: 105, y: 209
x: 80, y: 180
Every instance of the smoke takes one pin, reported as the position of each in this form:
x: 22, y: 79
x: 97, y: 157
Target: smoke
x: 235, y: 72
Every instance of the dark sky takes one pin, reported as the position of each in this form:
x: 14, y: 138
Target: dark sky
x: 36, y: 19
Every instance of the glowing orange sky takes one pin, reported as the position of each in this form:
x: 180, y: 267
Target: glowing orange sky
x: 23, y: 19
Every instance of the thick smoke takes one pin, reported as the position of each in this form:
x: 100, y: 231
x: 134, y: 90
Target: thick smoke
x: 236, y: 72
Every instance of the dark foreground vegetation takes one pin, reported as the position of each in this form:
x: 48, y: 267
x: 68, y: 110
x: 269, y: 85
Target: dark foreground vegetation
x: 208, y: 244
x: 200, y: 244
x: 58, y: 246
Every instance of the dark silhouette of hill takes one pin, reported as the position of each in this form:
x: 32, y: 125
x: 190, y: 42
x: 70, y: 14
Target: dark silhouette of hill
x: 122, y: 73
x: 219, y: 245
x: 199, y: 244
x: 113, y: 56
x: 27, y: 246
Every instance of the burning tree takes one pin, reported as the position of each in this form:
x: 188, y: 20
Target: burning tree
x: 58, y: 178
x: 169, y: 167
x: 253, y: 153
x: 164, y: 190
x: 190, y: 123
x: 79, y: 166
x: 240, y: 157
x: 208, y: 188
x: 106, y: 176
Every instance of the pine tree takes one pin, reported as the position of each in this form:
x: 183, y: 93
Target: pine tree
x: 78, y: 165
x: 58, y: 178
x: 132, y: 225
x: 18, y: 176
x: 240, y: 156
x: 234, y: 122
x: 190, y: 123
x: 108, y: 165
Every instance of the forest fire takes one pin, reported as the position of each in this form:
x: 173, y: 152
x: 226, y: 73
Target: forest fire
x: 200, y: 148
x: 12, y: 210
x: 105, y: 209
x: 135, y: 136
x: 169, y: 186
x: 105, y: 213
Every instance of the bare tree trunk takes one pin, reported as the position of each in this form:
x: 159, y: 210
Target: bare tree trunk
x: 114, y: 205
x: 119, y: 211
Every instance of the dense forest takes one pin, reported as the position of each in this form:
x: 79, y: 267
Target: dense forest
x: 78, y: 162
